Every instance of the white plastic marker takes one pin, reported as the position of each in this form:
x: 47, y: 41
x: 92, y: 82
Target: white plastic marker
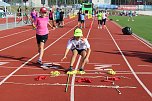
x: 102, y: 69
x: 101, y: 66
x: 50, y: 65
x: 67, y: 83
x: 119, y: 92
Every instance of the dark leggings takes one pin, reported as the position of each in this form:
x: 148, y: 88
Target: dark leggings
x: 103, y: 21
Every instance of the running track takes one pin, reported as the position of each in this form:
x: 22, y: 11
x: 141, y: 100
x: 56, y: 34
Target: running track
x: 129, y: 56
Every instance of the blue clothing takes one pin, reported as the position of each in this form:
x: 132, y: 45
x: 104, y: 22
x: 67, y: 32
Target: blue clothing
x: 57, y: 15
x: 130, y: 13
x: 82, y: 16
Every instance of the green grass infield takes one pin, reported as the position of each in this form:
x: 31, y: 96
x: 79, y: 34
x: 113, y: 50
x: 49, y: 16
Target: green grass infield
x: 141, y: 26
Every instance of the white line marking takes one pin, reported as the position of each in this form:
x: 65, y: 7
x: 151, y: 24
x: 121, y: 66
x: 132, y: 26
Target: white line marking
x: 34, y: 57
x: 15, y: 33
x: 9, y: 60
x: 9, y: 67
x: 73, y: 77
x: 142, y: 41
x: 27, y: 75
x: 93, y: 74
x: 25, y: 40
x: 103, y: 65
x: 16, y: 44
x: 57, y: 62
x: 137, y: 37
x: 145, y: 65
x: 3, y: 63
x: 100, y: 63
x: 141, y: 83
x: 76, y: 85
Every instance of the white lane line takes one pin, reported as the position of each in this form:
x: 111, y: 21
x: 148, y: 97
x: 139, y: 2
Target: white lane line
x: 56, y: 62
x: 16, y: 44
x: 14, y: 34
x: 144, y: 65
x: 25, y: 40
x: 143, y: 41
x: 73, y: 77
x: 133, y: 72
x: 87, y: 74
x: 9, y: 67
x: 106, y: 65
x: 76, y: 85
x: 34, y: 57
x: 9, y: 60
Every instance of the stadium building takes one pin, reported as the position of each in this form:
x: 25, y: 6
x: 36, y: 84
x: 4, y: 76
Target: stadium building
x: 48, y: 2
x: 38, y: 3
x: 101, y: 2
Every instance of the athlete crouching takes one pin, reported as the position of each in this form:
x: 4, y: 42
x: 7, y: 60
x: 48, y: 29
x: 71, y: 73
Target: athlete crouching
x: 78, y: 45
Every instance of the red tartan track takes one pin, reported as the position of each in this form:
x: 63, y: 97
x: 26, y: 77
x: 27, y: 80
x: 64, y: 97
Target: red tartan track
x: 129, y: 56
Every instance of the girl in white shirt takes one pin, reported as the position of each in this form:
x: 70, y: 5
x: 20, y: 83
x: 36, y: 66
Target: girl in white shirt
x: 78, y: 45
x: 104, y: 18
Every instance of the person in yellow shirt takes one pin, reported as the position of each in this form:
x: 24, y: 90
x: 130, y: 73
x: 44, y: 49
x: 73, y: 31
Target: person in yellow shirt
x: 99, y: 16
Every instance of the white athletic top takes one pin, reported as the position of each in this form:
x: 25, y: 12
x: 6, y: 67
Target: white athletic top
x: 104, y: 16
x: 80, y: 44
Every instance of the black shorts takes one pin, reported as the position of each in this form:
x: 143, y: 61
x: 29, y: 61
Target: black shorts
x: 61, y: 19
x: 58, y: 20
x: 82, y: 21
x: 51, y: 18
x: 79, y: 51
x: 79, y: 20
x: 19, y: 14
x: 41, y: 38
x: 99, y: 21
x: 103, y: 21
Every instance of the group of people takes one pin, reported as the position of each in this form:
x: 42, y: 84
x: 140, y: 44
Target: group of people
x: 102, y: 17
x: 129, y: 13
x: 59, y: 15
x: 77, y: 44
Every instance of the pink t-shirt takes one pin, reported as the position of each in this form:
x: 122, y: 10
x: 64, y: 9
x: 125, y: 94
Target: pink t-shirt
x: 41, y: 25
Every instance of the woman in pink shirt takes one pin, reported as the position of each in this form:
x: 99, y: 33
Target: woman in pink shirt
x: 41, y: 32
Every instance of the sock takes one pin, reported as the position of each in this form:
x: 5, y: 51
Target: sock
x: 40, y: 59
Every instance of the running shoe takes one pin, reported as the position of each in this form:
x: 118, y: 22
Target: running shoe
x: 70, y: 69
x: 39, y: 61
x: 81, y: 69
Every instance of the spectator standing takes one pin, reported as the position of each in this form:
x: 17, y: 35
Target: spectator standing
x: 130, y: 15
x: 57, y: 16
x: 19, y: 12
x: 61, y: 18
x: 51, y: 17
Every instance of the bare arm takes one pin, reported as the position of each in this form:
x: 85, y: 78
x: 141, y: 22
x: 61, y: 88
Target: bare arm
x: 50, y: 25
x: 88, y: 53
x: 65, y: 54
x: 34, y: 26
